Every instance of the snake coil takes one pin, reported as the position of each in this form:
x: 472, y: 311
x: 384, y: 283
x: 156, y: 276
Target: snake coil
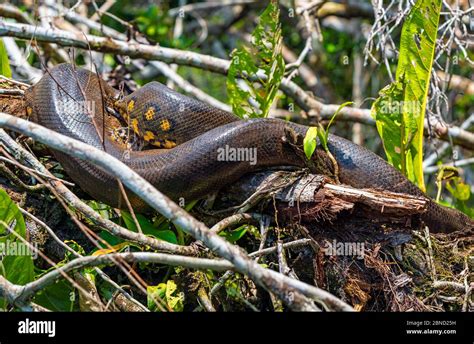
x: 70, y: 101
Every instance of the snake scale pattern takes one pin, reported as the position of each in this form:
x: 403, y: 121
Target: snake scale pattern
x: 187, y: 135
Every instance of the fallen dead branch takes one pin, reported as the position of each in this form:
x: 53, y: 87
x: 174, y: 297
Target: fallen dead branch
x: 317, y: 194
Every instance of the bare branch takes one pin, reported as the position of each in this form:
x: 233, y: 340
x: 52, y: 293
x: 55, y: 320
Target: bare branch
x: 207, y: 6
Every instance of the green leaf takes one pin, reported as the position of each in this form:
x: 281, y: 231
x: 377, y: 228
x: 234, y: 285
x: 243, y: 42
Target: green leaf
x: 460, y: 190
x: 250, y: 95
x: 111, y: 239
x: 17, y: 263
x: 462, y: 195
x: 148, y: 228
x: 323, y: 137
x: 310, y: 142
x: 235, y: 234
x: 399, y: 111
x: 155, y: 292
x: 18, y: 269
x: 167, y: 235
x: 10, y: 215
x: 4, y: 63
x: 59, y: 297
x: 167, y: 292
x: 174, y: 298
x: 102, y: 209
x: 239, y: 97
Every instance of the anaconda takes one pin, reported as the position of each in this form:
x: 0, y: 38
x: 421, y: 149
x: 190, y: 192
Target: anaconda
x: 188, y: 135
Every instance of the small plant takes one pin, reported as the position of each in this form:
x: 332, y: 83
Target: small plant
x: 314, y: 133
x: 460, y: 191
x: 251, y: 94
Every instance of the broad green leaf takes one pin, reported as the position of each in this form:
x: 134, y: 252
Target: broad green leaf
x: 459, y: 189
x: 235, y: 234
x: 167, y: 292
x: 462, y: 195
x: 4, y: 63
x: 310, y: 142
x: 17, y: 262
x: 249, y: 98
x: 155, y: 292
x: 174, y: 298
x: 110, y: 238
x: 166, y: 235
x: 18, y: 269
x: 239, y: 96
x: 11, y: 216
x: 59, y: 297
x: 400, y: 109
x: 148, y: 228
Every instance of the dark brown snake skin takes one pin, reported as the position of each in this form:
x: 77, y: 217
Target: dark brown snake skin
x: 192, y: 169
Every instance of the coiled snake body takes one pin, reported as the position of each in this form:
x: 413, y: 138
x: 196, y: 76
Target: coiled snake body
x: 188, y: 135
